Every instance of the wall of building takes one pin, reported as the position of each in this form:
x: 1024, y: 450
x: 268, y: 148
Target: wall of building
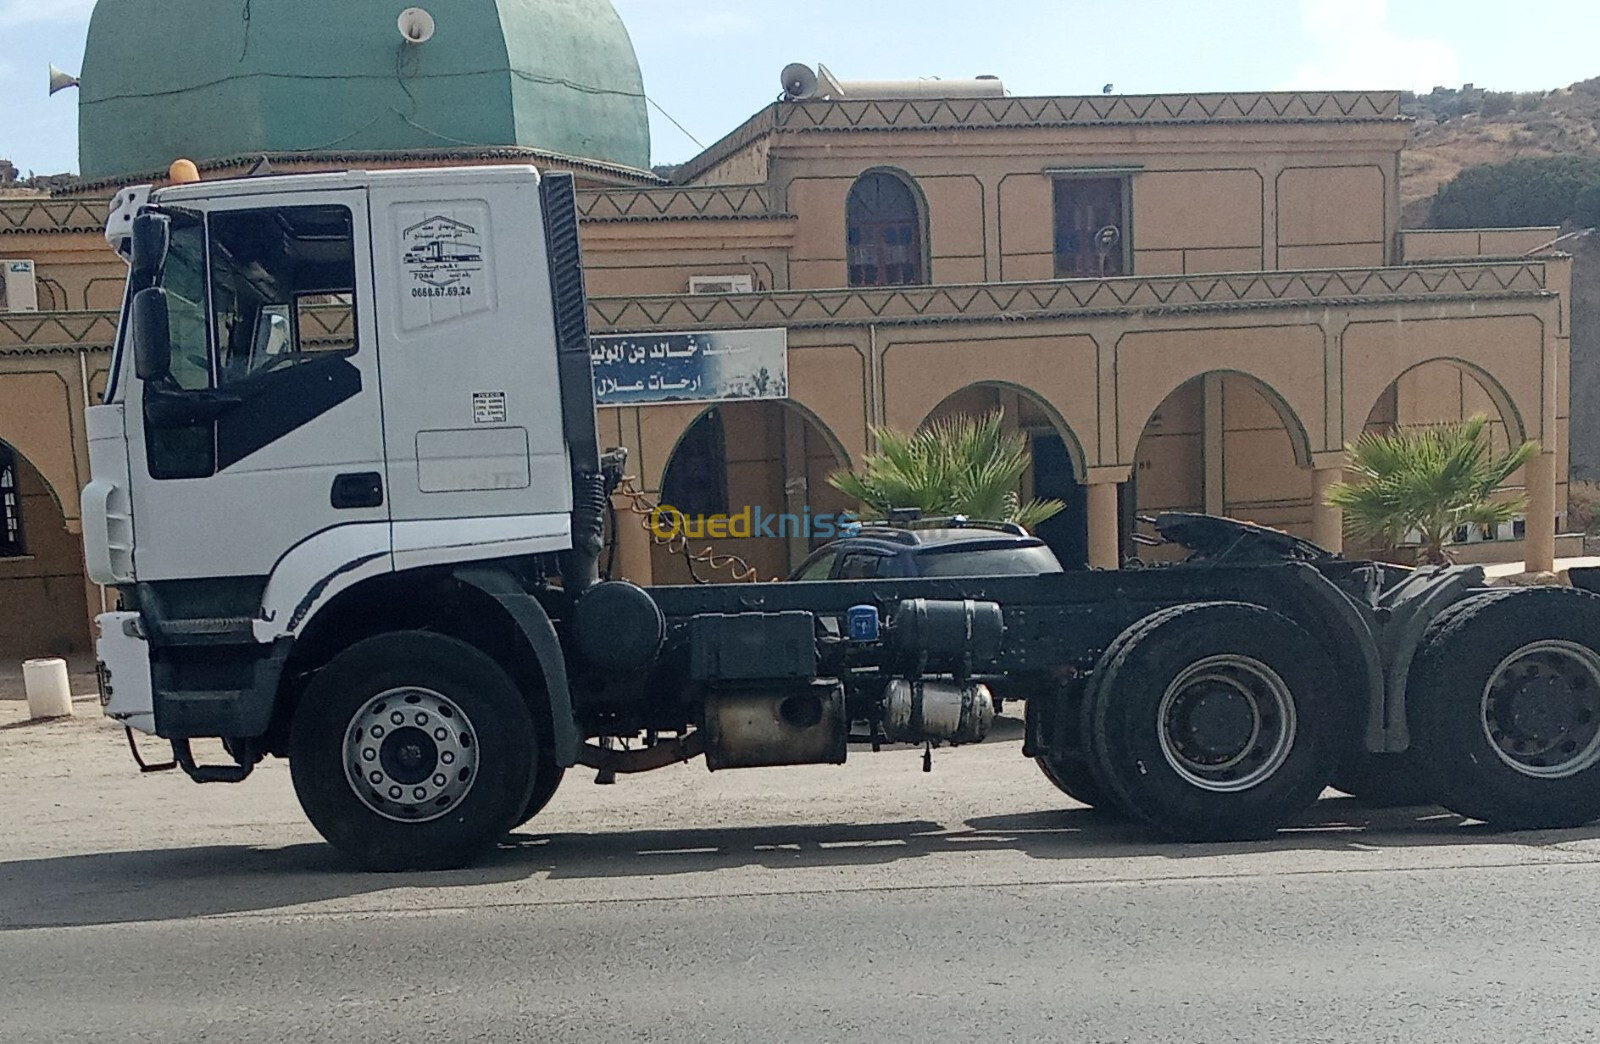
x: 1425, y: 244
x: 76, y: 270
x: 1202, y: 200
x: 744, y: 166
x: 43, y: 607
x: 627, y: 258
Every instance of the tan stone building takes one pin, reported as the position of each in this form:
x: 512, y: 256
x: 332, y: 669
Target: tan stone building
x: 1187, y: 301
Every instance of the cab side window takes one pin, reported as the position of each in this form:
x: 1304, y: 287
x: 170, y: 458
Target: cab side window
x: 282, y: 287
x: 263, y: 322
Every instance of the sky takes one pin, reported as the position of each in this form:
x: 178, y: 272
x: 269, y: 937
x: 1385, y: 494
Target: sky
x: 712, y: 63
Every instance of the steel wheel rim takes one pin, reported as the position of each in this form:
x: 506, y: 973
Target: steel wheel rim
x: 410, y: 755
x: 1227, y: 723
x: 1541, y: 710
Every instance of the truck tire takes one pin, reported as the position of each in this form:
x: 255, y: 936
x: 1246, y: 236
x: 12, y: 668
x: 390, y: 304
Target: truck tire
x: 547, y: 779
x: 1074, y: 778
x: 1504, y: 707
x: 412, y: 751
x: 1077, y: 775
x: 1383, y: 780
x: 1063, y: 761
x: 1214, y: 721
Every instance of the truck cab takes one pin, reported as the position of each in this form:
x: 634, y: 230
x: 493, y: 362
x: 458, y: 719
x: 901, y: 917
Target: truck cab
x: 319, y: 380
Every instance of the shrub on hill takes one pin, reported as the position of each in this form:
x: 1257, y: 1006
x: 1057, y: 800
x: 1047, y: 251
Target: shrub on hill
x: 1541, y: 190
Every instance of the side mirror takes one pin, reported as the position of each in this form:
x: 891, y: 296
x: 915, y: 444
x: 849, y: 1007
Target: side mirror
x: 152, y: 335
x: 152, y: 235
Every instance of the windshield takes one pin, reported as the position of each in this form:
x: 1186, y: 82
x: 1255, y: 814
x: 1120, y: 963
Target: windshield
x: 1013, y: 560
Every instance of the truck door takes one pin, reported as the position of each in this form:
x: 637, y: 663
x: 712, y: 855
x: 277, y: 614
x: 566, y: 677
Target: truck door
x: 478, y: 466
x: 266, y: 432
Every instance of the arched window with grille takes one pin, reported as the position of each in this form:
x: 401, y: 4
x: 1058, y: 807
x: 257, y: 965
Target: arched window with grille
x: 884, y: 231
x: 696, y: 482
x: 10, y: 505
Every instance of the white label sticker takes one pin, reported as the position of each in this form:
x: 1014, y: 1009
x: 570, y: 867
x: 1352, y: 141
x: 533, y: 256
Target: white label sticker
x: 489, y: 407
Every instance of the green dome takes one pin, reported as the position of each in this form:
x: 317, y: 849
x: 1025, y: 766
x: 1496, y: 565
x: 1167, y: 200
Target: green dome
x: 208, y: 79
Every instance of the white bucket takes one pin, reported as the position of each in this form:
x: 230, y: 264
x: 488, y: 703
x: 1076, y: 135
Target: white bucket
x: 49, y: 689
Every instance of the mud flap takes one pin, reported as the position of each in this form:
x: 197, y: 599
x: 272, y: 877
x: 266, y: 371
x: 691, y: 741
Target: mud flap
x: 535, y: 625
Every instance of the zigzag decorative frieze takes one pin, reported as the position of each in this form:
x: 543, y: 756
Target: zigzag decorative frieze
x: 844, y: 114
x: 49, y: 331
x: 1065, y: 297
x: 328, y: 324
x: 19, y: 216
x: 729, y: 201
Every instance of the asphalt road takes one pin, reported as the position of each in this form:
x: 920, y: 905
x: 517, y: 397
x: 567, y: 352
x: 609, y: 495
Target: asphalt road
x: 865, y: 903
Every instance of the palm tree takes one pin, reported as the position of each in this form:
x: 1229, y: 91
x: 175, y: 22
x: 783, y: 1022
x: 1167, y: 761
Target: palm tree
x: 1430, y: 480
x: 958, y: 465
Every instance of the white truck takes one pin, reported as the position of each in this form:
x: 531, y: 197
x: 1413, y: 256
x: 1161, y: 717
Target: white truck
x: 348, y: 495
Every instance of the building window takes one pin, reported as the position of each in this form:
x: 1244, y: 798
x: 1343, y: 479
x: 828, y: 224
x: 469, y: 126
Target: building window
x: 884, y: 232
x: 10, y: 506
x: 1091, y: 228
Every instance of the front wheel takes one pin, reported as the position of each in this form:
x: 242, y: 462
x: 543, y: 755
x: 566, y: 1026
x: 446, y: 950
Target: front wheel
x: 1214, y: 721
x: 412, y: 750
x: 547, y: 780
x: 1504, y: 707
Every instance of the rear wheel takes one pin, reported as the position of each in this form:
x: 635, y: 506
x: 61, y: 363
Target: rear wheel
x: 1504, y: 707
x: 1063, y: 759
x: 1075, y: 778
x: 1214, y: 721
x: 412, y: 750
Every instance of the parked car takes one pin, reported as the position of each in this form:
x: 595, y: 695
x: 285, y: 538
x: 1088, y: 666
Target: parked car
x: 936, y: 547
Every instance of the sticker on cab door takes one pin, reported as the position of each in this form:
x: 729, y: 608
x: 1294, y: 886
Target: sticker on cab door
x: 443, y: 256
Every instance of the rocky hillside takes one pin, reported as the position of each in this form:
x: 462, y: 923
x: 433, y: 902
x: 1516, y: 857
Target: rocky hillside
x: 1462, y: 128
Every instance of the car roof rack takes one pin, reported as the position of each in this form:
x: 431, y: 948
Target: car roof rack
x: 911, y: 525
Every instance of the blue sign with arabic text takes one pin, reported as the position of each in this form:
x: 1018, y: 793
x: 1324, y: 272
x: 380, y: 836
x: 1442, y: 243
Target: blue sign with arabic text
x: 641, y: 369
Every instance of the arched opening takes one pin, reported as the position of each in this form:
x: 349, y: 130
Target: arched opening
x: 884, y: 231
x: 1445, y: 391
x: 1222, y: 443
x: 1057, y: 467
x: 767, y: 462
x: 1441, y: 391
x: 43, y: 608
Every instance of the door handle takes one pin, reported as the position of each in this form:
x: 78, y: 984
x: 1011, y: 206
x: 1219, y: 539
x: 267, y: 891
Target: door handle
x: 362, y: 489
